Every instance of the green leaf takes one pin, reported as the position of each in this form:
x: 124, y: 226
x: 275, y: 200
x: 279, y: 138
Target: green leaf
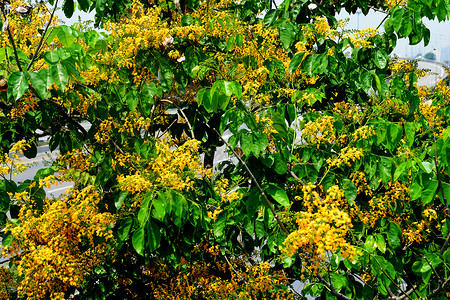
x: 4, y: 201
x: 239, y: 40
x: 148, y: 92
x: 159, y: 206
x: 396, y: 18
x: 381, y: 244
x: 429, y: 193
x: 18, y: 84
x: 119, y: 200
x: 166, y: 74
x: 144, y: 210
x: 370, y: 244
x: 65, y: 36
x: 384, y: 168
x: 365, y: 80
x: 270, y: 17
x: 253, y: 202
x: 377, y: 82
x: 39, y: 85
x: 380, y: 59
x: 84, y: 5
x: 153, y: 236
x: 350, y: 191
x: 309, y: 64
x: 296, y: 61
x: 219, y: 225
x: 181, y: 210
x: 400, y: 170
x: 132, y: 100
x: 259, y: 229
x: 394, y: 235
x: 52, y: 57
x: 280, y: 165
x: 59, y: 76
x: 7, y: 239
x: 138, y: 240
x: 68, y: 8
x: 232, y: 88
x: 230, y: 43
x: 415, y: 191
x: 287, y: 35
x: 278, y: 194
x: 123, y: 232
x: 338, y: 281
x: 2, y: 54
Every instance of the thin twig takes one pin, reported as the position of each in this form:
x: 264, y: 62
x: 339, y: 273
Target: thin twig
x: 187, y: 121
x: 390, y: 279
x: 38, y: 48
x: 413, y: 287
x: 439, y: 288
x: 13, y: 44
x: 434, y: 270
x: 261, y: 191
x: 122, y: 152
x: 234, y: 270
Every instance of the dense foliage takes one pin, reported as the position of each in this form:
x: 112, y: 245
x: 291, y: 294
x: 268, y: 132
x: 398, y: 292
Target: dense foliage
x: 337, y: 174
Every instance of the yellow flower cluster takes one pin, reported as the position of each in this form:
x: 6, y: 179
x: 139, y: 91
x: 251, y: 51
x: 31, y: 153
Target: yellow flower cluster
x: 10, y: 163
x: 322, y: 227
x: 176, y: 168
x: 363, y: 133
x: 430, y: 112
x: 347, y: 156
x: 347, y: 111
x: 77, y: 160
x: 54, y: 256
x: 135, y: 183
x: 7, y: 283
x: 360, y: 181
x: 26, y: 30
x: 361, y: 37
x: 222, y: 188
x: 202, y: 280
x: 27, y: 103
x: 393, y: 3
x: 382, y: 206
x: 320, y: 131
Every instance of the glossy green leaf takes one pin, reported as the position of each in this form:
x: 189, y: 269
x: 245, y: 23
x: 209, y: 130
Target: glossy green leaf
x: 429, y: 192
x: 4, y: 201
x: 65, y: 36
x: 123, y: 232
x: 52, y: 57
x: 68, y: 8
x: 120, y: 199
x: 153, y: 236
x: 350, y: 191
x: 138, y: 240
x: 39, y: 85
x: 59, y: 76
x: 17, y: 84
x: 296, y: 61
x: 278, y: 194
x: 394, y: 235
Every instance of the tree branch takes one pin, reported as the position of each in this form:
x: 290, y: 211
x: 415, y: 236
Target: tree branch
x: 261, y: 191
x: 38, y: 48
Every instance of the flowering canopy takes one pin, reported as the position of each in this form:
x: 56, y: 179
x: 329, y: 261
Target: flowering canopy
x: 336, y: 175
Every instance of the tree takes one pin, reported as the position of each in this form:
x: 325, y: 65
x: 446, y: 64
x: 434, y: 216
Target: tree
x: 338, y: 170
